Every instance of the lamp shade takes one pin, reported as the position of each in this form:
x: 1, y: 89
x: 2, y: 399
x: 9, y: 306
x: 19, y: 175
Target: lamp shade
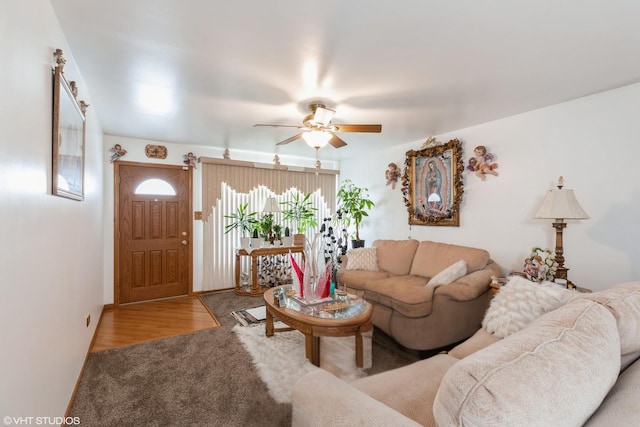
x: 316, y: 138
x: 271, y: 205
x: 561, y: 204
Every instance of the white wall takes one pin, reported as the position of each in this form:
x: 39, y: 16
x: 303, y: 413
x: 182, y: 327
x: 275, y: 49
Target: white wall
x: 594, y: 142
x: 51, y: 252
x: 175, y: 152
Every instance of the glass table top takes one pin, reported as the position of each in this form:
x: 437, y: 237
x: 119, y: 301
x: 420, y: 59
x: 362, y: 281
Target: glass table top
x: 339, y: 306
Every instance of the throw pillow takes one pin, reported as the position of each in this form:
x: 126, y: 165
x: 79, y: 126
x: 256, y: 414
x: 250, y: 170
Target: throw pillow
x: 449, y: 274
x: 519, y: 302
x: 362, y: 259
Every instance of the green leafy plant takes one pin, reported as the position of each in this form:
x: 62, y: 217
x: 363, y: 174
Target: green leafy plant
x: 277, y: 231
x: 266, y: 226
x: 242, y: 220
x: 354, y: 204
x: 300, y: 212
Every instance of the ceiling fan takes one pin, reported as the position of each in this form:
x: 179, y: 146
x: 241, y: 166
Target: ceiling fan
x: 319, y: 131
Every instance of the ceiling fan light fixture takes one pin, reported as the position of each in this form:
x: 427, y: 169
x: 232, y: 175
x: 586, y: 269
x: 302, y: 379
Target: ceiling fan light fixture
x: 316, y: 138
x: 323, y: 116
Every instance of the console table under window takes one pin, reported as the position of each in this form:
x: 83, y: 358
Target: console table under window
x: 254, y: 288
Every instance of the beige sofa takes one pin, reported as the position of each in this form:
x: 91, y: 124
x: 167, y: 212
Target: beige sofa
x: 409, y: 307
x: 576, y: 365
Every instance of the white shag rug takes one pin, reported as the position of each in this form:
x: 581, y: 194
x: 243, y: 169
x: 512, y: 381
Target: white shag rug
x: 280, y: 360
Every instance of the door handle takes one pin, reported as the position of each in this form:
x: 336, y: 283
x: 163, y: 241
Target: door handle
x: 184, y: 243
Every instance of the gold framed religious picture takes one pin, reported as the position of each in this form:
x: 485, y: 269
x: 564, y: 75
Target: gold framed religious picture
x: 432, y: 184
x: 68, y: 135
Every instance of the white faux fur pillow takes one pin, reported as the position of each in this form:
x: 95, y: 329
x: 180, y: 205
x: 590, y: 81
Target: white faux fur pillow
x: 519, y: 302
x: 449, y: 274
x: 362, y: 259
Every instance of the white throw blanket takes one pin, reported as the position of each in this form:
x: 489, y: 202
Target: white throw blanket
x: 280, y: 360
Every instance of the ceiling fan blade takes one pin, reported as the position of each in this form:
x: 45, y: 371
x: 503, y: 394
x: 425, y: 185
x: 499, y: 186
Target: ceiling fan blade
x: 323, y: 115
x: 288, y: 140
x: 358, y: 128
x: 336, y: 141
x: 279, y: 126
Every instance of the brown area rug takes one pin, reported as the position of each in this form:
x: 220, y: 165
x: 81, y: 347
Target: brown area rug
x: 201, y: 379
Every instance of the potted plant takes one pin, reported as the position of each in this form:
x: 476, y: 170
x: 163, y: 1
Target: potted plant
x: 266, y: 227
x: 241, y: 220
x: 287, y: 239
x: 256, y: 241
x: 301, y: 213
x: 354, y: 204
x: 277, y: 234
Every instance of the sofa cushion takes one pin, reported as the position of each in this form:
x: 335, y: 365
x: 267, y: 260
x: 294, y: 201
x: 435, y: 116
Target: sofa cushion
x: 519, y: 302
x: 449, y: 274
x: 357, y: 279
x: 396, y: 256
x: 554, y: 372
x: 621, y: 407
x: 433, y: 257
x: 321, y: 399
x: 477, y: 341
x: 623, y: 300
x: 410, y: 389
x: 407, y: 295
x: 362, y: 259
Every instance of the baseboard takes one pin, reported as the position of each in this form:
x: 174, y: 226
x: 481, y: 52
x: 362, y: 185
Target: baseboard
x: 214, y: 291
x: 67, y: 413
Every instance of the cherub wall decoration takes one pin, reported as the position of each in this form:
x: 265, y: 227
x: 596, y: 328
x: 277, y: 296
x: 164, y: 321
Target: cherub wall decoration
x: 118, y: 152
x: 392, y: 175
x: 481, y: 162
x: 190, y: 159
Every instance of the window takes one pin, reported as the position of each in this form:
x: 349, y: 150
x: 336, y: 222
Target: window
x: 155, y: 187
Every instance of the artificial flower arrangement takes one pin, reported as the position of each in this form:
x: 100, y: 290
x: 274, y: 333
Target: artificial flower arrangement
x: 312, y: 281
x: 541, y: 265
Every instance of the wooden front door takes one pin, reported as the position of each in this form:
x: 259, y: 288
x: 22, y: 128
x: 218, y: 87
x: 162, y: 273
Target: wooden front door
x: 153, y: 232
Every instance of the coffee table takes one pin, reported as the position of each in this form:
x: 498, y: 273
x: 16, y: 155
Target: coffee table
x: 320, y: 320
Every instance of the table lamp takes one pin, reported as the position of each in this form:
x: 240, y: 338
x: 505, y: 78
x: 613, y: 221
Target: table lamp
x: 561, y: 204
x: 271, y: 206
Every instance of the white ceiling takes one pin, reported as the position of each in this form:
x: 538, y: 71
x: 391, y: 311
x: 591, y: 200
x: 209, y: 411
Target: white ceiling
x: 419, y: 67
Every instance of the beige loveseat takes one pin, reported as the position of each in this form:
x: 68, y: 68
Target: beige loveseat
x: 411, y: 305
x: 578, y: 364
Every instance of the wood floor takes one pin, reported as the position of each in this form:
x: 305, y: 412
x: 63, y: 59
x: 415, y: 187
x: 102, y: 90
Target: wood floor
x: 136, y: 323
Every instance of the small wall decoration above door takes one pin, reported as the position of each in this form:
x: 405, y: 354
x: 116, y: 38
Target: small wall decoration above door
x: 117, y: 153
x: 432, y: 184
x: 155, y: 151
x: 190, y: 159
x: 482, y: 162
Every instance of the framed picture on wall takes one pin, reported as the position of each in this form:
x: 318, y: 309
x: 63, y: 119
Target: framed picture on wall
x: 68, y: 136
x: 432, y: 184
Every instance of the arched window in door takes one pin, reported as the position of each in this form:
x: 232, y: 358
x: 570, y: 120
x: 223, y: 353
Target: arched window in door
x: 155, y: 187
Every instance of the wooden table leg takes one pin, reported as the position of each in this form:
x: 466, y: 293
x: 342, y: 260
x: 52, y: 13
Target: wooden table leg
x: 359, y: 351
x: 238, y: 287
x: 268, y: 329
x: 312, y: 349
x: 255, y: 286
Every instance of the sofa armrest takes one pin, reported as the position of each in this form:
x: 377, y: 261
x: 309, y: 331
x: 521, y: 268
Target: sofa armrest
x: 472, y: 285
x: 322, y: 399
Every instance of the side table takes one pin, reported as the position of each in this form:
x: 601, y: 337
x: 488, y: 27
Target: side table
x: 254, y: 287
x: 498, y: 282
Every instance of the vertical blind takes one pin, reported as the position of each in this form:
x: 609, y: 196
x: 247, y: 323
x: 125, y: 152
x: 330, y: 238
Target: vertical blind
x: 226, y: 184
